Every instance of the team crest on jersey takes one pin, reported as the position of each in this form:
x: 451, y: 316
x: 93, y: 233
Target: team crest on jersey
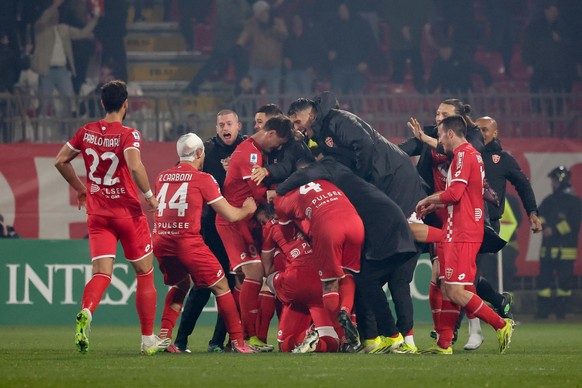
x: 329, y: 142
x: 478, y: 214
x: 254, y: 158
x: 496, y: 158
x: 136, y: 135
x: 448, y: 273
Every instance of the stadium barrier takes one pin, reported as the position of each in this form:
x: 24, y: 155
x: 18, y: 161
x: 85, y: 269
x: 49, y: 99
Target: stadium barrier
x: 41, y: 283
x: 163, y: 117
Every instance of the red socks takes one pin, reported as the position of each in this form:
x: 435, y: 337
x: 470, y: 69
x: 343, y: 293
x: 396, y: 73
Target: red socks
x: 229, y: 314
x: 249, y: 305
x: 175, y: 296
x: 94, y: 290
x: 479, y: 309
x: 145, y: 301
x: 347, y: 289
x: 472, y: 289
x: 448, y: 319
x: 266, y: 311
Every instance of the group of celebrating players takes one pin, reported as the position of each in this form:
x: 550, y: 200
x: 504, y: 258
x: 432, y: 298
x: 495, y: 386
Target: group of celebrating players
x: 315, y: 213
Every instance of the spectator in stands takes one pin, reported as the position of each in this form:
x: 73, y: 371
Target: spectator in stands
x: 264, y: 37
x: 110, y: 32
x: 230, y: 18
x: 408, y: 20
x: 449, y: 73
x: 76, y: 14
x: 548, y: 50
x: 10, y: 64
x: 7, y: 231
x: 301, y: 57
x: 53, y: 54
x: 350, y: 43
x: 191, y: 12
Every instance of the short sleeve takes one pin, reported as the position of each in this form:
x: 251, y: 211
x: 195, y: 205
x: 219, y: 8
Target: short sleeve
x: 210, y: 189
x: 133, y: 140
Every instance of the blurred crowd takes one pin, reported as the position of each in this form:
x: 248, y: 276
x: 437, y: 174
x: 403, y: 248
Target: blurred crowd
x: 71, y: 47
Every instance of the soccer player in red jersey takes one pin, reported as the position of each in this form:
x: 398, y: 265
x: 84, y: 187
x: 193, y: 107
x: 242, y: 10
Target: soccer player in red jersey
x: 462, y: 236
x: 182, y: 192
x: 240, y: 238
x: 298, y: 286
x: 111, y: 153
x: 337, y: 236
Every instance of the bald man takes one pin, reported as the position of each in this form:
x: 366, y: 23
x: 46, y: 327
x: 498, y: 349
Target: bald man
x: 500, y: 167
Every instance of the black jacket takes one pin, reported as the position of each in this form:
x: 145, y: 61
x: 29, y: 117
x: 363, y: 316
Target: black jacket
x: 387, y: 233
x: 354, y: 143
x: 561, y: 211
x: 500, y: 167
x: 416, y: 147
x: 281, y: 163
x: 216, y: 151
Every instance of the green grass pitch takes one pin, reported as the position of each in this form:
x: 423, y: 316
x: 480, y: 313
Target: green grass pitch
x: 540, y: 355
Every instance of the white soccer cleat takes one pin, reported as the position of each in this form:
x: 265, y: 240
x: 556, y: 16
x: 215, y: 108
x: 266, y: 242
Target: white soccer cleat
x: 152, y: 344
x: 475, y: 336
x: 309, y: 344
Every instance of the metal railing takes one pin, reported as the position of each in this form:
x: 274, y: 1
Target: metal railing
x: 163, y: 117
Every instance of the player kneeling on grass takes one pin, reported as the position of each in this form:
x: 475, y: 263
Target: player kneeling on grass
x: 298, y: 287
x: 179, y: 247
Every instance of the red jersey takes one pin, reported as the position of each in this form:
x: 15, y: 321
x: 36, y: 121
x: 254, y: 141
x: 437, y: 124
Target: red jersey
x: 440, y: 169
x: 316, y: 201
x: 111, y: 191
x: 291, y: 242
x: 181, y: 192
x: 238, y: 185
x: 464, y: 196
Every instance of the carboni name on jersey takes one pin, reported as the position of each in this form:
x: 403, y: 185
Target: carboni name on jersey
x: 175, y: 177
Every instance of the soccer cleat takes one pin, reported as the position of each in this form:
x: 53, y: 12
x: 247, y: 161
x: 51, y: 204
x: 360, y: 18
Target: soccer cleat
x: 82, y: 329
x: 152, y: 344
x: 309, y: 344
x: 435, y: 336
x: 504, y: 335
x: 259, y: 345
x: 389, y: 343
x: 174, y: 349
x: 435, y: 349
x: 505, y: 310
x: 214, y: 348
x: 352, y: 336
x: 474, y: 341
x: 475, y: 336
x: 405, y: 348
x: 370, y: 345
x: 242, y: 348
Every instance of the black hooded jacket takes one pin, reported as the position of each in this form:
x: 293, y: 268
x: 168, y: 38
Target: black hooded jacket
x: 354, y: 143
x: 500, y: 167
x: 282, y: 162
x: 387, y: 233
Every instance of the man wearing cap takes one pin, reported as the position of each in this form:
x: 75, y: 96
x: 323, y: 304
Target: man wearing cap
x: 241, y: 238
x: 560, y: 214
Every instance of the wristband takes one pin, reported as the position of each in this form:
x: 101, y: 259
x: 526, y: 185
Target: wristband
x: 148, y: 194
